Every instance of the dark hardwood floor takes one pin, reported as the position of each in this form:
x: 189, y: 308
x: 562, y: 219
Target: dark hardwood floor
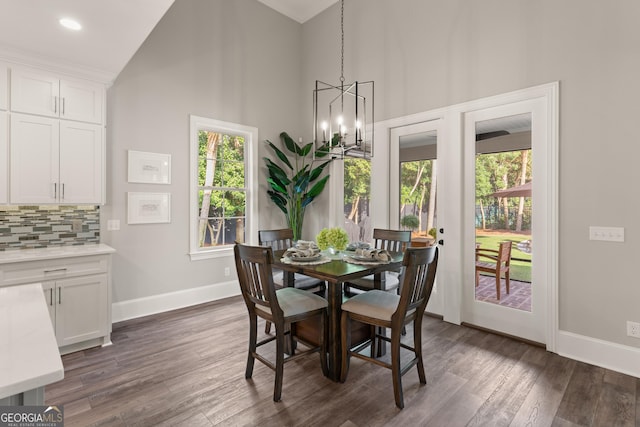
x: 186, y: 368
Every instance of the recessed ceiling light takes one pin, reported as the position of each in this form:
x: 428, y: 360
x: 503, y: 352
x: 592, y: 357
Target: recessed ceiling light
x: 70, y: 24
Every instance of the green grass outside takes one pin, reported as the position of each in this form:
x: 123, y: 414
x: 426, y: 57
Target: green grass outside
x: 520, y: 270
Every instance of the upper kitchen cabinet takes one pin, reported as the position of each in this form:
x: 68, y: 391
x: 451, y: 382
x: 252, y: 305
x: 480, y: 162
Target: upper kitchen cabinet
x: 4, y: 86
x: 55, y: 161
x: 37, y: 92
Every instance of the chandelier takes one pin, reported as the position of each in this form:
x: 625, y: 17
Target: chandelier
x: 343, y: 114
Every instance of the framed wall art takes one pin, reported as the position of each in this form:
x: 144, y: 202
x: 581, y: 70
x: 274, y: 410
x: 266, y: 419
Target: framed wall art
x: 148, y: 208
x: 149, y: 168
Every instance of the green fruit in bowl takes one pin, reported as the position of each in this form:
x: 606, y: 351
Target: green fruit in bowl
x: 335, y: 238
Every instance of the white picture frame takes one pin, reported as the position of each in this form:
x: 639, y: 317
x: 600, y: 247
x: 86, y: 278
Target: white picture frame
x: 149, y: 168
x: 148, y: 208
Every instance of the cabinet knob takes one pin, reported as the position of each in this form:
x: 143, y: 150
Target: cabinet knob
x: 441, y: 242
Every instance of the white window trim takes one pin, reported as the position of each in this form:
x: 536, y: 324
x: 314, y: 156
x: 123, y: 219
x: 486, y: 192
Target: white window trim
x: 250, y: 135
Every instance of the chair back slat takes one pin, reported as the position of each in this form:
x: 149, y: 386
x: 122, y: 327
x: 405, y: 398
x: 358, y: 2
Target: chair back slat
x: 391, y: 240
x: 253, y: 265
x: 505, y: 253
x: 420, y: 266
x: 277, y: 239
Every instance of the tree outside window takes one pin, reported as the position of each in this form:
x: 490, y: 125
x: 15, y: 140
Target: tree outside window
x: 221, y: 189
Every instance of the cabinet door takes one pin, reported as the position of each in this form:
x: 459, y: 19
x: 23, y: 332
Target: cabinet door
x: 34, y: 92
x: 50, y: 296
x: 34, y: 159
x: 4, y: 88
x: 4, y: 158
x: 81, y: 162
x: 81, y: 100
x: 81, y: 311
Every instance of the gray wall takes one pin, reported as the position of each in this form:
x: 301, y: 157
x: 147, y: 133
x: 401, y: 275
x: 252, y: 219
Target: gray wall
x: 242, y: 62
x: 429, y: 54
x: 236, y: 61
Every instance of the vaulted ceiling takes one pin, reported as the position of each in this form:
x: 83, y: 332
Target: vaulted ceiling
x: 112, y: 30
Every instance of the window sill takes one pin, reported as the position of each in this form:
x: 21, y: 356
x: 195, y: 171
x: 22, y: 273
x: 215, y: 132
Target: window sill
x: 214, y: 253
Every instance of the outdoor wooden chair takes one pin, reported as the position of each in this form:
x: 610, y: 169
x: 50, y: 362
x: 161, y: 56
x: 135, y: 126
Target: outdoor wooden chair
x: 495, y: 262
x: 381, y: 309
x: 283, y: 239
x: 283, y: 308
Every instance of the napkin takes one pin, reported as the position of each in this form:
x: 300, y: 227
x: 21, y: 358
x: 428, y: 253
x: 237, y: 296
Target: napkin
x: 308, y: 252
x: 374, y: 254
x: 358, y: 245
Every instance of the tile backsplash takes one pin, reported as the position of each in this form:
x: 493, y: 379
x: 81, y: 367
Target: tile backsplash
x: 23, y: 227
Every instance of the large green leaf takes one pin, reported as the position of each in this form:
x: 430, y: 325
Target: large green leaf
x: 315, y: 173
x: 301, y: 184
x: 277, y: 186
x: 318, y: 187
x: 280, y: 155
x: 290, y: 143
x: 302, y: 172
x: 306, y: 149
x: 276, y: 172
x: 278, y: 200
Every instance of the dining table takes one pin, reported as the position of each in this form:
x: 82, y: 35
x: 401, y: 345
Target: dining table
x: 335, y: 270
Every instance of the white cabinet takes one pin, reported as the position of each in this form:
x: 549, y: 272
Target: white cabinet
x: 37, y: 92
x: 4, y: 157
x: 78, y: 308
x: 77, y: 290
x: 4, y: 86
x: 55, y: 161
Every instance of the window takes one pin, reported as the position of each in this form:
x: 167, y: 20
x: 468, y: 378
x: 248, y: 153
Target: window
x: 223, y: 201
x: 357, y: 195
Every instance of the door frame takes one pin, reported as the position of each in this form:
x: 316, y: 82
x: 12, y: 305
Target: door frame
x: 451, y: 146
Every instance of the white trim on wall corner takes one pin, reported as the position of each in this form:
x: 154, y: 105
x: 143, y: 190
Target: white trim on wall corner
x: 606, y: 354
x: 140, y: 307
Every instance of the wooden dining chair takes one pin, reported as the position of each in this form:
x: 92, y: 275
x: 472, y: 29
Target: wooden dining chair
x: 495, y: 262
x: 283, y: 239
x: 392, y: 241
x: 283, y: 307
x: 381, y: 309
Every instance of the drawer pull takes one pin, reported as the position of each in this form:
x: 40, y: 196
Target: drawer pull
x: 51, y: 297
x: 55, y: 270
x: 59, y: 295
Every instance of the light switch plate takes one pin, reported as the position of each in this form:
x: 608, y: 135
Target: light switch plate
x: 610, y: 234
x: 113, y: 224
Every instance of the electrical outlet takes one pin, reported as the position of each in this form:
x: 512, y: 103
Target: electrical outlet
x: 227, y: 271
x: 633, y: 329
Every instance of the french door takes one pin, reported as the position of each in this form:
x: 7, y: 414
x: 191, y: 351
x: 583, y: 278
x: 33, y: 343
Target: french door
x: 454, y: 135
x: 506, y: 131
x: 416, y: 189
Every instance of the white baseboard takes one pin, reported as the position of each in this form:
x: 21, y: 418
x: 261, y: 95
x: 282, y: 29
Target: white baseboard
x: 617, y: 357
x: 132, y: 309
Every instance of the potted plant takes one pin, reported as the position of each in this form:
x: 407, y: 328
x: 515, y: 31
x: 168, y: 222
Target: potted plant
x: 299, y: 182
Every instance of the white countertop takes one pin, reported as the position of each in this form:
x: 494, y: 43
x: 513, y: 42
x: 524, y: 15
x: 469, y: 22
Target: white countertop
x: 22, y: 255
x: 29, y: 356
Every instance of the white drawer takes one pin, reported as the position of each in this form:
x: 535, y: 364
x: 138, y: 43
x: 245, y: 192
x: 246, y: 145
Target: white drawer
x: 38, y: 271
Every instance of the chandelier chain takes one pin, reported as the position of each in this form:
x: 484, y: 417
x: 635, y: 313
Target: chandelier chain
x: 342, y: 41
